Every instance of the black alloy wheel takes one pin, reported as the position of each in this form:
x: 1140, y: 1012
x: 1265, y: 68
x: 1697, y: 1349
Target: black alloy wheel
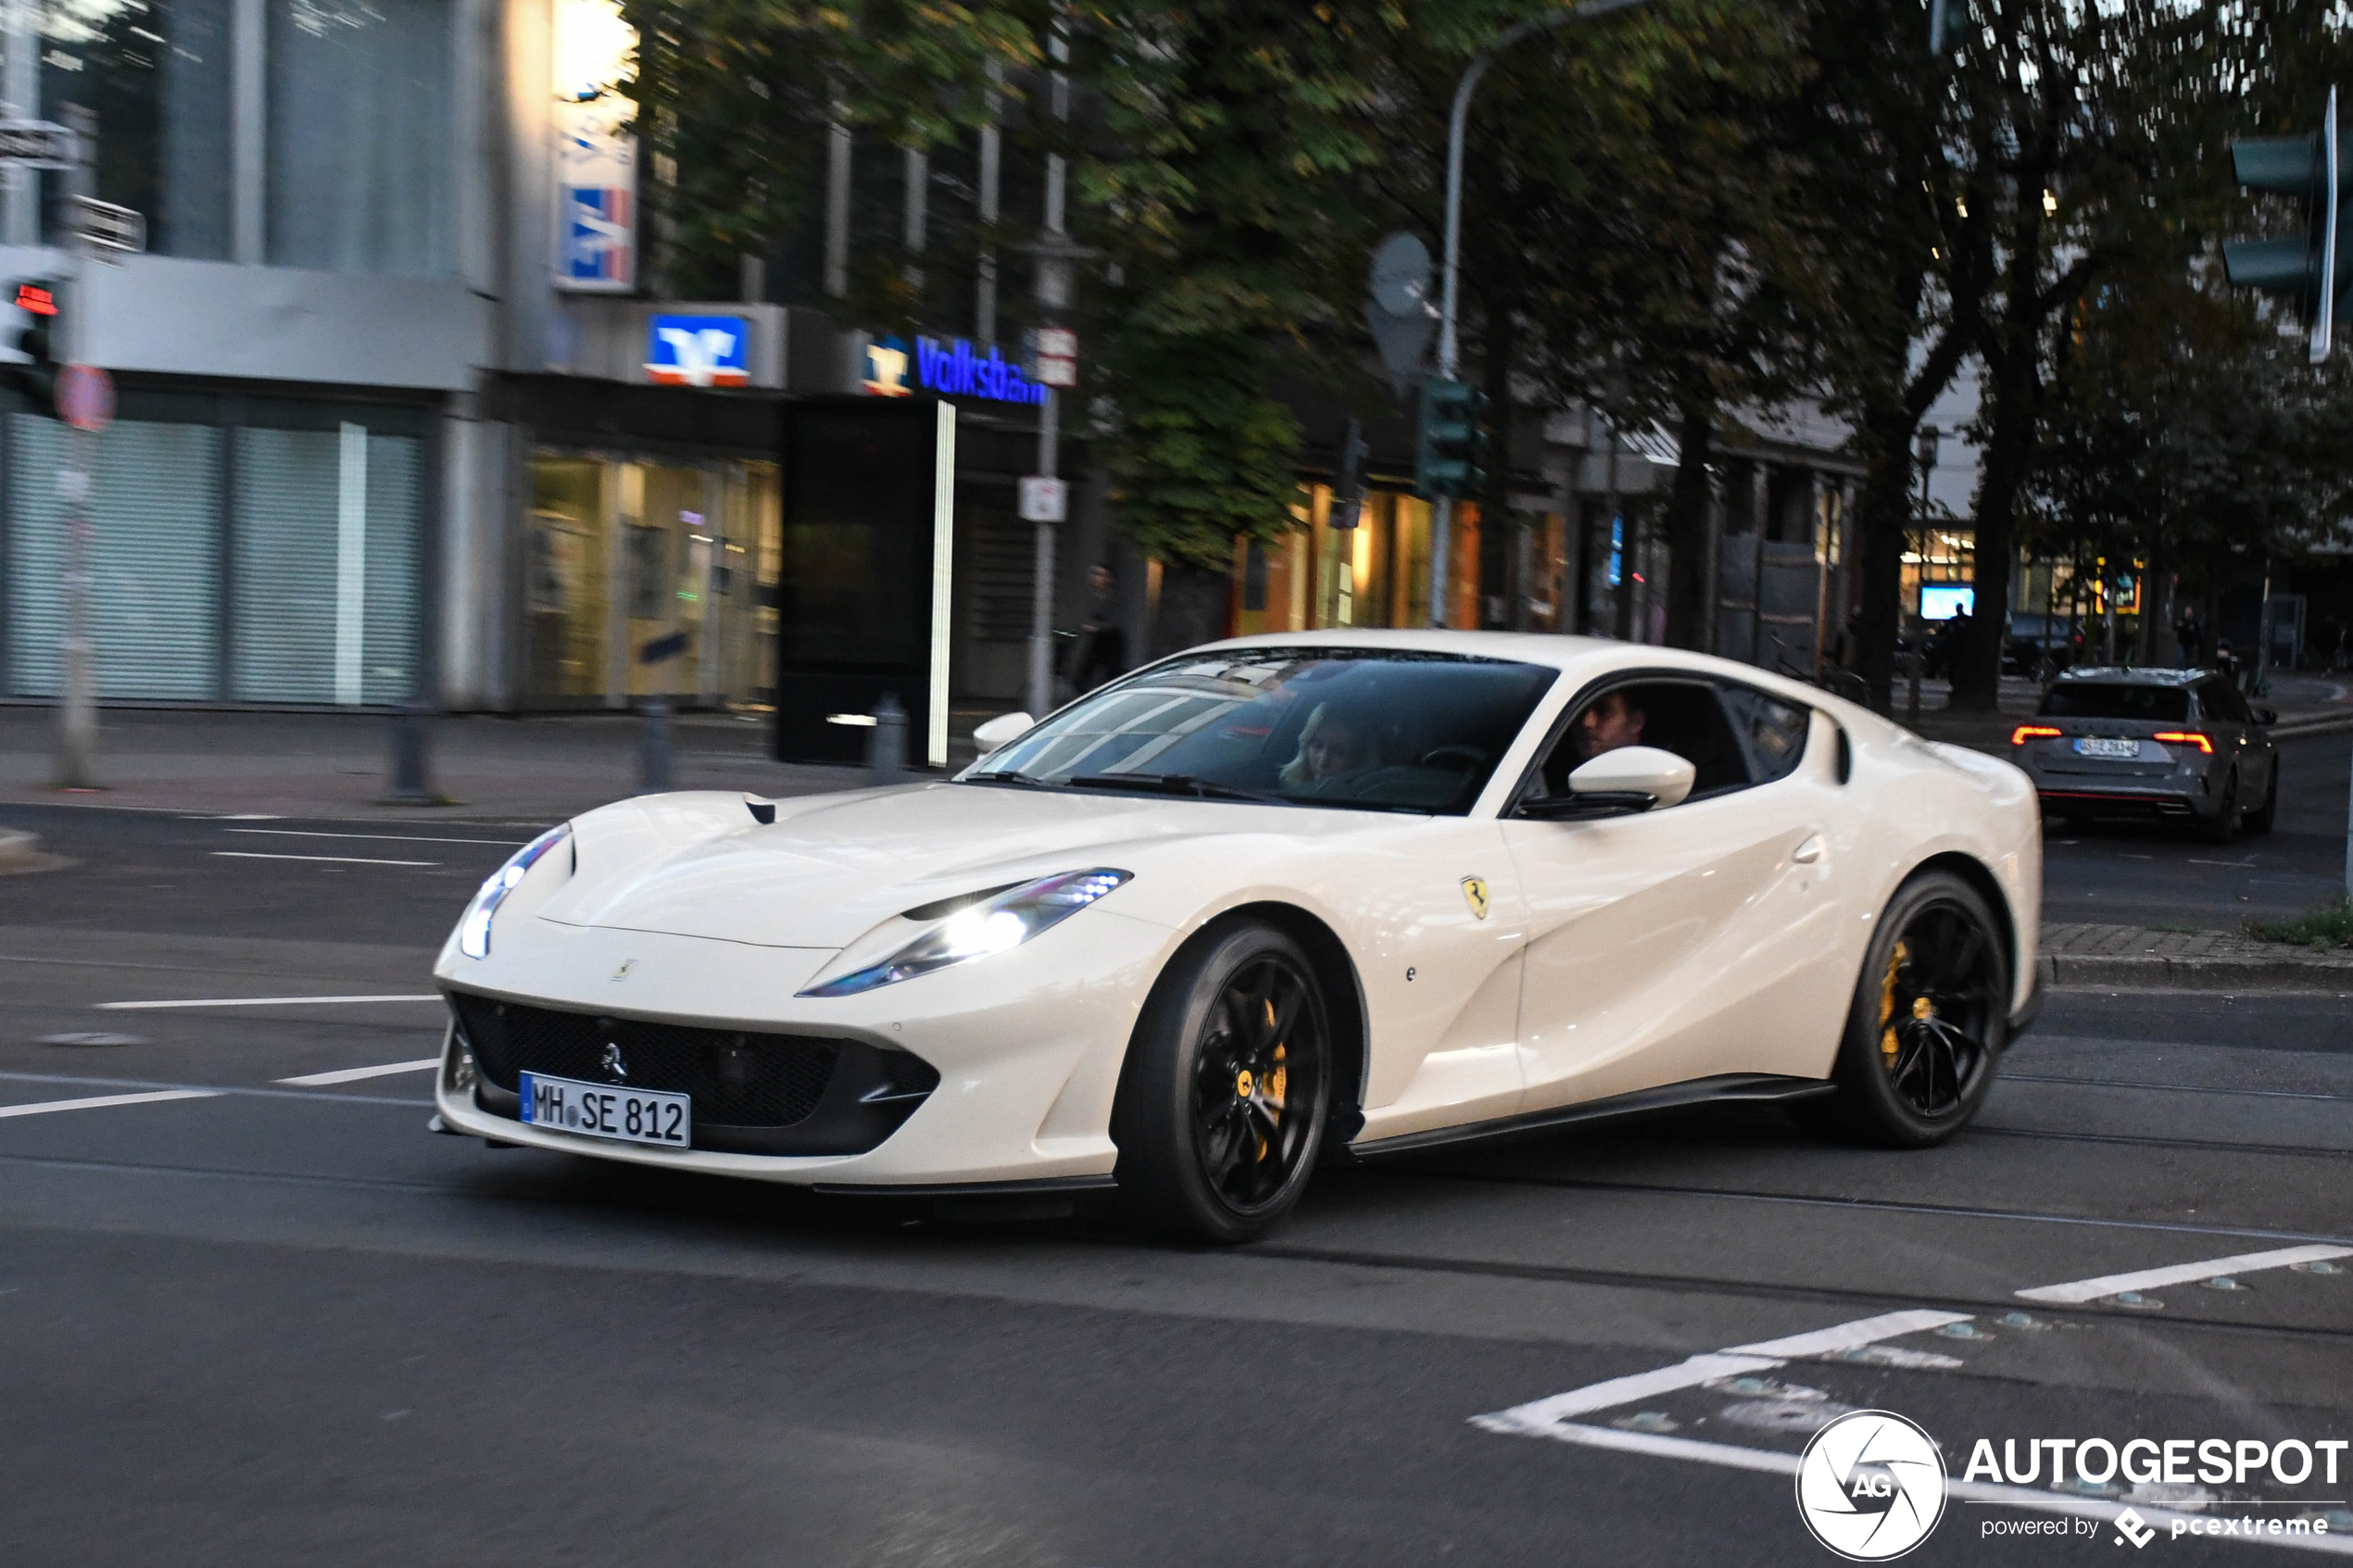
x: 2225, y: 825
x: 2263, y: 816
x: 1223, y: 1098
x: 1929, y: 1020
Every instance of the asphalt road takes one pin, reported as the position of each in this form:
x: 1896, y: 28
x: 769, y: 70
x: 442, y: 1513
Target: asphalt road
x: 272, y: 1320
x: 2129, y: 874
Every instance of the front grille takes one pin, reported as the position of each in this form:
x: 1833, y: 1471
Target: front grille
x: 737, y: 1078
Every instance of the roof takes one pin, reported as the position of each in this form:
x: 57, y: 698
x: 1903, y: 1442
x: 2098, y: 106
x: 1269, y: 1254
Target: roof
x: 2139, y: 675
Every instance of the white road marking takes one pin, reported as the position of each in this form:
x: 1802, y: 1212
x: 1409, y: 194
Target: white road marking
x: 338, y: 859
x: 1731, y: 1456
x: 253, y: 1002
x: 383, y: 837
x: 353, y: 1074
x: 98, y: 1101
x: 1537, y: 1419
x: 2075, y: 1292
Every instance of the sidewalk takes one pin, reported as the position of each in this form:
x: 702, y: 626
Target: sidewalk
x: 534, y: 770
x: 2079, y: 957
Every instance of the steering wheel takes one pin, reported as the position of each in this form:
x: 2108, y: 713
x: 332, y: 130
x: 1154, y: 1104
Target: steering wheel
x: 1456, y: 758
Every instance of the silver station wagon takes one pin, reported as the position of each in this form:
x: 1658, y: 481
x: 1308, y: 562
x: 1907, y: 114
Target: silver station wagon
x: 2178, y: 745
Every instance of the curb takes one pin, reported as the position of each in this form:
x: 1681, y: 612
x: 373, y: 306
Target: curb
x: 2296, y: 728
x: 2072, y: 973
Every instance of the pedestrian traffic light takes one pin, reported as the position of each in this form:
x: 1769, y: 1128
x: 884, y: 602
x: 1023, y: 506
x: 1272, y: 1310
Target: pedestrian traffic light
x: 1451, y: 458
x: 2310, y: 267
x: 36, y: 300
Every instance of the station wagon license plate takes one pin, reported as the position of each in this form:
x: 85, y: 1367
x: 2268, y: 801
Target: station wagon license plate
x: 608, y: 1111
x: 2126, y: 750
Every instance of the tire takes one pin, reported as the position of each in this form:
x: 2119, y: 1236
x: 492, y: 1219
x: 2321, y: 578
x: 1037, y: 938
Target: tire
x: 1937, y: 986
x: 2224, y: 826
x: 2260, y: 818
x: 1223, y: 1098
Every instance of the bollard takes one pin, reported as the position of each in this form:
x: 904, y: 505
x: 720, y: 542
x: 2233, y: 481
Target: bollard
x: 653, y: 747
x: 887, y: 744
x: 411, y: 766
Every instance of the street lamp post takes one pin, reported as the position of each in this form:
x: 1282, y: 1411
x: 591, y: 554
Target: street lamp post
x: 1441, y: 507
x: 1925, y: 449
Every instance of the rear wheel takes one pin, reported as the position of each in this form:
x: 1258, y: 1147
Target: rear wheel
x: 1223, y: 1098
x: 1930, y: 1019
x: 2260, y: 818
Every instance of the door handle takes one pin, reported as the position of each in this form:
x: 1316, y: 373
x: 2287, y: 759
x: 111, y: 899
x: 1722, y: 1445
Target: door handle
x: 1808, y: 852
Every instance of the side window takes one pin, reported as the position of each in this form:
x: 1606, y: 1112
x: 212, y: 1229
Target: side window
x: 1771, y: 732
x: 1682, y: 717
x: 2220, y: 699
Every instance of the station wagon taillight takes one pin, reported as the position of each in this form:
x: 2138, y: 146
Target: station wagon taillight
x: 2025, y: 732
x: 2186, y: 737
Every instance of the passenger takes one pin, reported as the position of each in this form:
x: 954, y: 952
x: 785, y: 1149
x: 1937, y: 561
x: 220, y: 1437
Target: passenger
x: 1615, y: 720
x: 1331, y: 744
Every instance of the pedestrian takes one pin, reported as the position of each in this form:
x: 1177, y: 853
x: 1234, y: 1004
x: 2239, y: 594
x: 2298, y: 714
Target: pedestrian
x: 2189, y: 635
x: 2226, y: 661
x: 1101, y: 654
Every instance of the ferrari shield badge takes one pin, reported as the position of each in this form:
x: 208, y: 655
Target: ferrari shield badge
x: 1475, y: 894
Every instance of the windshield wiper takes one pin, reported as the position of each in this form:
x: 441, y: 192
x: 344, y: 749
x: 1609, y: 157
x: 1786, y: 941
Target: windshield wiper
x: 1176, y: 784
x: 1022, y: 779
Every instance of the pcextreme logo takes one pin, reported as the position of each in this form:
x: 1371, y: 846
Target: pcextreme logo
x: 1870, y: 1486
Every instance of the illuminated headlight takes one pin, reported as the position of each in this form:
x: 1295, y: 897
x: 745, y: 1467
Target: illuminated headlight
x: 474, y: 931
x: 1006, y: 921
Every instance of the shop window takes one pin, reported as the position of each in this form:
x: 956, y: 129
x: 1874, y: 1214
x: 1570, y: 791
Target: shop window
x: 324, y: 553
x: 566, y: 570
x: 156, y: 74
x: 155, y: 549
x: 360, y: 150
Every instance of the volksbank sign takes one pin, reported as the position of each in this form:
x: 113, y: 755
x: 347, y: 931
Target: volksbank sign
x: 957, y: 371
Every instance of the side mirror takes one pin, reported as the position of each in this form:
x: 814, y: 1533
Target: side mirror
x: 2264, y: 714
x: 1631, y: 778
x: 1002, y: 728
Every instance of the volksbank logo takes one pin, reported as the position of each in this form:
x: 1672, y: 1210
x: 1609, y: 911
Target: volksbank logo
x: 1870, y: 1486
x: 957, y: 371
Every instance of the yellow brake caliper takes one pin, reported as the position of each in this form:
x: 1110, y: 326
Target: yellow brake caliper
x: 1887, y: 1045
x: 1273, y: 1081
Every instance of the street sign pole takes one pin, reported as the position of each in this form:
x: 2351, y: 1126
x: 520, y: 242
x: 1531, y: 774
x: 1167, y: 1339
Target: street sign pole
x: 1589, y: 11
x: 1053, y: 276
x: 78, y: 714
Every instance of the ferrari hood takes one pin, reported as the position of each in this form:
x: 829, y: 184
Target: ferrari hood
x: 831, y: 868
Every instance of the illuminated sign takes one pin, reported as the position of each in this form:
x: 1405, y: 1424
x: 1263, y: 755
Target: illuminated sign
x: 698, y: 351
x: 596, y: 156
x: 887, y: 368
x: 957, y: 371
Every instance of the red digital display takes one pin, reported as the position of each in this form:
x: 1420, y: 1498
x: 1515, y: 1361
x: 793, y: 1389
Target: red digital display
x: 35, y: 298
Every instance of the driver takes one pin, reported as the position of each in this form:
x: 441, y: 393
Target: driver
x: 1332, y: 743
x: 1615, y: 719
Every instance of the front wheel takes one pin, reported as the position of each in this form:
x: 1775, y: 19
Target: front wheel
x: 1223, y: 1098
x: 1930, y: 1019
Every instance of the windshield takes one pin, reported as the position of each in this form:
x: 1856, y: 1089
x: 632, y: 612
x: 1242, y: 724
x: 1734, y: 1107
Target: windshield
x: 1339, y: 727
x: 2092, y: 699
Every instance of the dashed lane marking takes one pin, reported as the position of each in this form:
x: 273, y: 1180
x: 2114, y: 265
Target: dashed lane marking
x: 256, y: 1002
x: 353, y: 1074
x: 2076, y: 1292
x: 337, y: 859
x: 96, y: 1102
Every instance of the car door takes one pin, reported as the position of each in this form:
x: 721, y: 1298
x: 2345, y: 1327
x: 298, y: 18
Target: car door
x: 1696, y: 939
x: 2224, y: 715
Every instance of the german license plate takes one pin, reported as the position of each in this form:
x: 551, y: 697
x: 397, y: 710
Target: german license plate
x: 607, y: 1111
x: 2126, y: 750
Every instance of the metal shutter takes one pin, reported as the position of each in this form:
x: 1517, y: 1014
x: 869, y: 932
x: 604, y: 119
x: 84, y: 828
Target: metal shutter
x: 326, y: 556
x: 156, y: 506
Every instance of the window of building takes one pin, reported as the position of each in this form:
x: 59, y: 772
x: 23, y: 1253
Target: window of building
x: 155, y: 72
x: 360, y: 150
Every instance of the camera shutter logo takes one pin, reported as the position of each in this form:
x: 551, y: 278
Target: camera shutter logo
x: 1870, y: 1486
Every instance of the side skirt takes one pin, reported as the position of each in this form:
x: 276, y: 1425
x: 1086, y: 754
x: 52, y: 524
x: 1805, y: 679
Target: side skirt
x: 1730, y: 1088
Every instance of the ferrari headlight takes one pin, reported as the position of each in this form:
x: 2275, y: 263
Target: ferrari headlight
x: 474, y: 931
x: 1006, y: 921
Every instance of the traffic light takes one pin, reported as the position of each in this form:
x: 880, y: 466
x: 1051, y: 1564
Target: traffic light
x: 1451, y: 458
x: 37, y: 299
x: 2309, y: 267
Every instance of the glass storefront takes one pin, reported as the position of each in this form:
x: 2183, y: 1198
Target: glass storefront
x: 242, y: 550
x: 623, y: 553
